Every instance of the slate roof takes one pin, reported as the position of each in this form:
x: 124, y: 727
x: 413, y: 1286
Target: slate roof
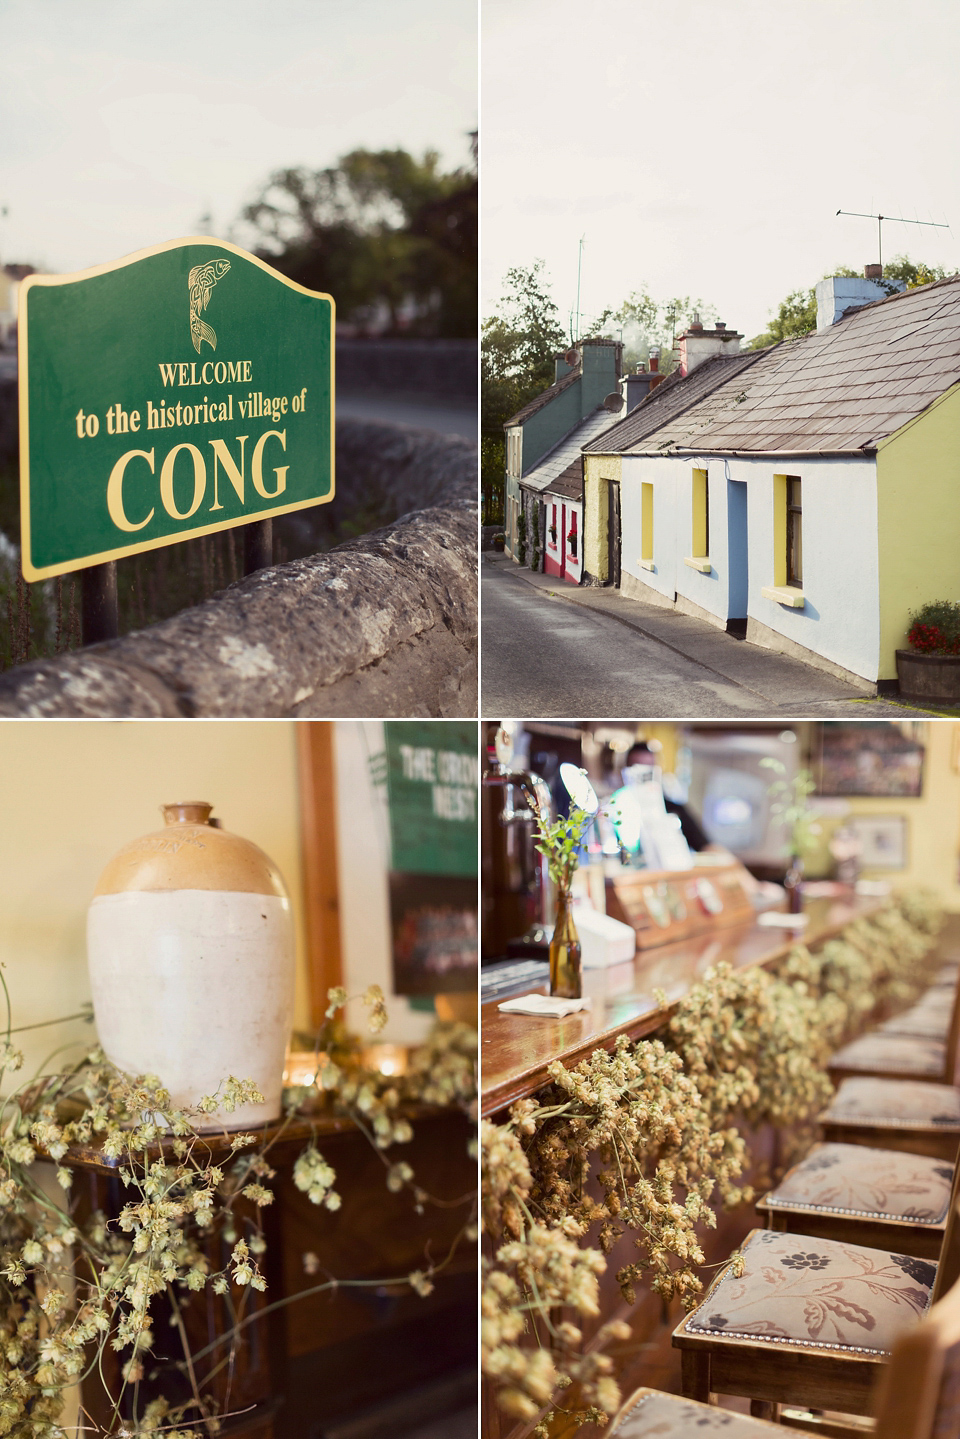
x: 671, y: 398
x: 567, y: 451
x: 569, y: 485
x: 837, y: 391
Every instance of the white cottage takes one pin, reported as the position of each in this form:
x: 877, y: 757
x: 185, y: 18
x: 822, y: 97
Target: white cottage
x: 807, y: 495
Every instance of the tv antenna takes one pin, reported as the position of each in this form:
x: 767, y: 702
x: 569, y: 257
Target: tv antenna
x: 897, y: 219
x: 579, y: 265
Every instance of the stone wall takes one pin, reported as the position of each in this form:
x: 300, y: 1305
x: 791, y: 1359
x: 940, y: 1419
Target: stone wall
x: 436, y: 367
x: 385, y: 624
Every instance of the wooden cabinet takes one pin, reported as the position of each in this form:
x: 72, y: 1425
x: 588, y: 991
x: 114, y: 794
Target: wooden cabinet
x: 315, y: 1360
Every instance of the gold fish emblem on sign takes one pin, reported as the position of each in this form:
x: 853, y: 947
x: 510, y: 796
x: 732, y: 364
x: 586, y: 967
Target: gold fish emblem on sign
x: 200, y: 283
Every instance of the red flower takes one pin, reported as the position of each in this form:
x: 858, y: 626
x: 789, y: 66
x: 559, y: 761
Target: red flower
x: 928, y: 638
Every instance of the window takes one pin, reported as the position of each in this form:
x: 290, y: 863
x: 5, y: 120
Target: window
x: 701, y: 515
x: 787, y: 587
x: 572, y: 535
x: 553, y: 524
x: 794, y: 537
x: 646, y: 525
x: 514, y: 440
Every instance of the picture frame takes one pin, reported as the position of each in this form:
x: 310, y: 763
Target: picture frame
x: 883, y: 839
x: 871, y: 759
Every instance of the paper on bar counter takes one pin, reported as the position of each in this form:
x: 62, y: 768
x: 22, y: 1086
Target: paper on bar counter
x: 544, y: 1005
x: 776, y: 919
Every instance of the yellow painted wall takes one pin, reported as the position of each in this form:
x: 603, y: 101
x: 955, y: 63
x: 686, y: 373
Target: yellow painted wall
x: 918, y: 504
x: 596, y: 469
x: 933, y: 820
x: 73, y: 791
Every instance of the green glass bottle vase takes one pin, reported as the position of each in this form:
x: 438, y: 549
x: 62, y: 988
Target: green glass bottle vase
x: 565, y: 967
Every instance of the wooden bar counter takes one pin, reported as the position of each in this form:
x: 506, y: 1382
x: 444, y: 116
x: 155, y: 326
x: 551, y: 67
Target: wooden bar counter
x: 517, y: 1049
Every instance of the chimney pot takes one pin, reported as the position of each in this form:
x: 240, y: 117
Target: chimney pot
x: 721, y: 325
x: 873, y: 272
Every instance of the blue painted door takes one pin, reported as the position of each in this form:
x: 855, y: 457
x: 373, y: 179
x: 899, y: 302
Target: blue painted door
x: 738, y: 549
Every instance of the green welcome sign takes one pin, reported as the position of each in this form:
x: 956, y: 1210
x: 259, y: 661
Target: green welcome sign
x: 185, y: 389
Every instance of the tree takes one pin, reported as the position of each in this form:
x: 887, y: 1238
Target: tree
x: 392, y: 237
x: 797, y: 314
x: 517, y: 349
x: 644, y: 323
x: 901, y: 267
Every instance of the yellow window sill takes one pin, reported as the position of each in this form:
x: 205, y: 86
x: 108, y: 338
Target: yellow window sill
x: 648, y: 565
x: 784, y: 595
x: 699, y: 562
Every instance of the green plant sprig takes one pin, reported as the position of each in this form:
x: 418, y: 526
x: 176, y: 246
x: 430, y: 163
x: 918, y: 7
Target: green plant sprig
x: 69, y: 1291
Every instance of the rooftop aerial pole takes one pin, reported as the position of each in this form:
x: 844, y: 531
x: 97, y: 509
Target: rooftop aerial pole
x: 579, y: 265
x: 898, y: 219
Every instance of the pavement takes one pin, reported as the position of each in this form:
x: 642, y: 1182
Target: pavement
x: 556, y: 651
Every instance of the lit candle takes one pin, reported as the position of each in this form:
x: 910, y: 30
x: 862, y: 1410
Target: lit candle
x: 387, y: 1058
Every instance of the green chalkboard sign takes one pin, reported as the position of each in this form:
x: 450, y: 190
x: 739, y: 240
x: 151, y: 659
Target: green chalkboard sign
x: 432, y: 785
x: 185, y: 389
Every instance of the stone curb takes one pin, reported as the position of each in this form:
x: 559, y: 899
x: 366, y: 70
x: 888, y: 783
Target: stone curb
x: 385, y: 624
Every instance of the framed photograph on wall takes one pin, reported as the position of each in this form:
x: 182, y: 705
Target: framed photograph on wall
x: 883, y: 840
x: 870, y: 758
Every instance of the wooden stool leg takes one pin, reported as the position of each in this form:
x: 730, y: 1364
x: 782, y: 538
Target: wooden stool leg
x: 765, y: 1409
x: 695, y: 1374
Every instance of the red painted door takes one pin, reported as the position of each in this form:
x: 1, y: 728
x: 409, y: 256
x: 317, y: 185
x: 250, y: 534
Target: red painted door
x: 563, y: 542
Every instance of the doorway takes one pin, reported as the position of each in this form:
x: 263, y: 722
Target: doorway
x: 738, y: 550
x: 613, y: 533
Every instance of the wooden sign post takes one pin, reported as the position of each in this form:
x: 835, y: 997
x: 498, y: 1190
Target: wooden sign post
x: 183, y: 390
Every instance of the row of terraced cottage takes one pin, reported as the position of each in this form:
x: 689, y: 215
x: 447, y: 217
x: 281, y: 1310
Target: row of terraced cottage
x: 807, y: 494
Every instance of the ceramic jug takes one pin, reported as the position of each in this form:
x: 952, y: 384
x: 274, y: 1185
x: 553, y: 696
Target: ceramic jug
x: 191, y: 952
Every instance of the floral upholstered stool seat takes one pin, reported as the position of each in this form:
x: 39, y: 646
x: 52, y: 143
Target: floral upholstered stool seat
x: 906, y: 1115
x: 874, y: 1197
x: 930, y: 1019
x: 648, y: 1414
x: 918, y: 1395
x: 897, y: 1056
x: 802, y: 1321
x: 926, y: 1050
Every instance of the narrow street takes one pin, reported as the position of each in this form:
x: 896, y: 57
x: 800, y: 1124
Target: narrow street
x: 550, y: 650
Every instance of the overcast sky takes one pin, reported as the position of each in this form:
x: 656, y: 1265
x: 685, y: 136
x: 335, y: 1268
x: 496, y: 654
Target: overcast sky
x: 704, y: 146
x: 122, y: 122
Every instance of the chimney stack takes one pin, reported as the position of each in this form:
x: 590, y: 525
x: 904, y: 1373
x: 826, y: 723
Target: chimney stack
x: 848, y: 292
x: 697, y: 344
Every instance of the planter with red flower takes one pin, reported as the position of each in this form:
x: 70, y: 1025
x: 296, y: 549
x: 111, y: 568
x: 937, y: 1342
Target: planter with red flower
x: 930, y: 668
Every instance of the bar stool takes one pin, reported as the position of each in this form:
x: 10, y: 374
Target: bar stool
x: 878, y: 1198
x: 916, y: 1396
x: 902, y: 1056
x: 907, y: 1115
x: 809, y: 1322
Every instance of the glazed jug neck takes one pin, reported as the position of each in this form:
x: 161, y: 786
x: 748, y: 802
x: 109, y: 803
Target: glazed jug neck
x: 187, y: 812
